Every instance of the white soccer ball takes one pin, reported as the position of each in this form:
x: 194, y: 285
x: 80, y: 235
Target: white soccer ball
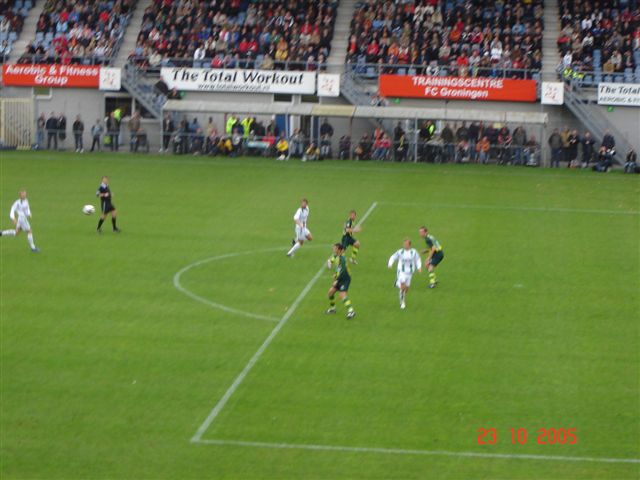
x: 88, y: 209
x: 281, y: 157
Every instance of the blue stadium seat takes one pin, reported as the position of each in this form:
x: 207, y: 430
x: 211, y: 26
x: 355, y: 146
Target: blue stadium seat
x: 28, y: 4
x: 402, y: 71
x: 411, y: 71
x: 3, y: 36
x: 598, y: 78
x: 13, y: 36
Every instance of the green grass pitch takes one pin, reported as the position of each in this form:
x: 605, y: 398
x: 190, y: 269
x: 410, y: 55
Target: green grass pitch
x: 108, y: 370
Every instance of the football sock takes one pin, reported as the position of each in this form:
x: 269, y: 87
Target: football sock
x: 354, y: 252
x: 8, y: 233
x: 295, y: 247
x: 432, y: 277
x: 113, y: 222
x: 347, y: 303
x: 100, y: 222
x: 332, y: 301
x: 30, y: 240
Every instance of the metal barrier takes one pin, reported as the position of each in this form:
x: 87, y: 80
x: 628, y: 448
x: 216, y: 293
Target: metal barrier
x: 17, y: 124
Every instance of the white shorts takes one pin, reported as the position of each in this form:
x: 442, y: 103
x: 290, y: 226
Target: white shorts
x: 302, y: 233
x: 403, y: 278
x: 23, y: 224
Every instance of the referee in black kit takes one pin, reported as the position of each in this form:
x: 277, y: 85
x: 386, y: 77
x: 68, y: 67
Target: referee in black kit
x: 106, y: 206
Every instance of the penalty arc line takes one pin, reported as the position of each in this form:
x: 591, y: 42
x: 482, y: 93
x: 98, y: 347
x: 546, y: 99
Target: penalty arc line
x: 235, y: 311
x: 256, y: 356
x: 400, y: 451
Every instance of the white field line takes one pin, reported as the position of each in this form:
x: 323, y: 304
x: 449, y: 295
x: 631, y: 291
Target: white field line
x: 178, y: 285
x: 400, y: 451
x: 256, y: 356
x: 235, y: 311
x: 513, y: 208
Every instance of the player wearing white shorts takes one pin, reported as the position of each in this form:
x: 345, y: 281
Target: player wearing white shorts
x: 302, y: 233
x: 20, y: 215
x: 408, y: 262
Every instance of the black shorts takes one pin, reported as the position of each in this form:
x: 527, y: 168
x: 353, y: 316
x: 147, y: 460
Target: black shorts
x: 107, y: 207
x: 436, y: 258
x: 342, y: 284
x: 347, y: 241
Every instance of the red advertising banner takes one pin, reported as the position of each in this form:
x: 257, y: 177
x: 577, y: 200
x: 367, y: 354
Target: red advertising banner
x: 457, y: 88
x: 69, y: 76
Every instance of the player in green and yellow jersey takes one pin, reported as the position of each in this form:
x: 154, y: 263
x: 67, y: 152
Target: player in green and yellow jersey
x: 347, y: 236
x: 435, y: 254
x: 341, y: 281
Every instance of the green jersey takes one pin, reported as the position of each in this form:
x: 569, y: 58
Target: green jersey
x: 348, y: 225
x: 340, y: 268
x: 432, y: 243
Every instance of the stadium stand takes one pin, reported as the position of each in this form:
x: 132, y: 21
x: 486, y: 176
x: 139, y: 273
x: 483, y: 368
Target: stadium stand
x: 461, y: 38
x: 601, y: 40
x: 79, y: 32
x: 12, y: 15
x: 294, y: 35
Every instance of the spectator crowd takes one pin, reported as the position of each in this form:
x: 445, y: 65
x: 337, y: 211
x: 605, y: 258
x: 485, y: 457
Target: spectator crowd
x: 12, y: 16
x: 600, y: 36
x: 463, y: 38
x: 236, y: 34
x: 78, y: 31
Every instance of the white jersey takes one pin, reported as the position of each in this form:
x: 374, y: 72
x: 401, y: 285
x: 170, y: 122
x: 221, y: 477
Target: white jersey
x: 408, y: 261
x: 302, y: 215
x: 20, y: 210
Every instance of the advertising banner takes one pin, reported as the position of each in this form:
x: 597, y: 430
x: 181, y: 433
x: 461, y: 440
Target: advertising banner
x: 328, y: 85
x: 110, y: 78
x: 241, y: 81
x: 66, y: 76
x: 457, y: 88
x: 623, y: 94
x: 552, y: 93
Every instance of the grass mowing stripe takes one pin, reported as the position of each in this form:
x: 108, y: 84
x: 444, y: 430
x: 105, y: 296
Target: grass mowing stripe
x: 514, y: 208
x: 392, y: 168
x: 400, y: 451
x: 256, y: 356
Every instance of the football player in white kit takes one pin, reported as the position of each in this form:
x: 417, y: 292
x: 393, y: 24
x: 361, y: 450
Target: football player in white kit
x: 20, y: 215
x: 302, y: 233
x: 408, y: 262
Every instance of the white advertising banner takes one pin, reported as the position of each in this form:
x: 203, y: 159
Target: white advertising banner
x: 241, y: 81
x: 552, y: 93
x: 623, y: 94
x: 328, y: 84
x: 110, y: 78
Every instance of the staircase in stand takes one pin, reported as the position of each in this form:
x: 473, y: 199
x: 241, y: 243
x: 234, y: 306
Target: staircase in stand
x: 142, y: 87
x: 580, y: 103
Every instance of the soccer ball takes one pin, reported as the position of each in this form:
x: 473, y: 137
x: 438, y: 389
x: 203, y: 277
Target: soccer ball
x: 281, y: 157
x: 88, y: 209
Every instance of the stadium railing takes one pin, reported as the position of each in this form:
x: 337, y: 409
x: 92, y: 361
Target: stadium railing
x: 360, y: 69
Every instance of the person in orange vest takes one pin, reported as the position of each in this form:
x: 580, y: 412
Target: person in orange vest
x: 482, y: 148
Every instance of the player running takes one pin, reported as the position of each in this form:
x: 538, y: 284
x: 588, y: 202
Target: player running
x: 20, y: 214
x: 106, y: 206
x: 408, y: 262
x: 435, y: 254
x: 347, y: 237
x: 341, y: 281
x: 302, y: 233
